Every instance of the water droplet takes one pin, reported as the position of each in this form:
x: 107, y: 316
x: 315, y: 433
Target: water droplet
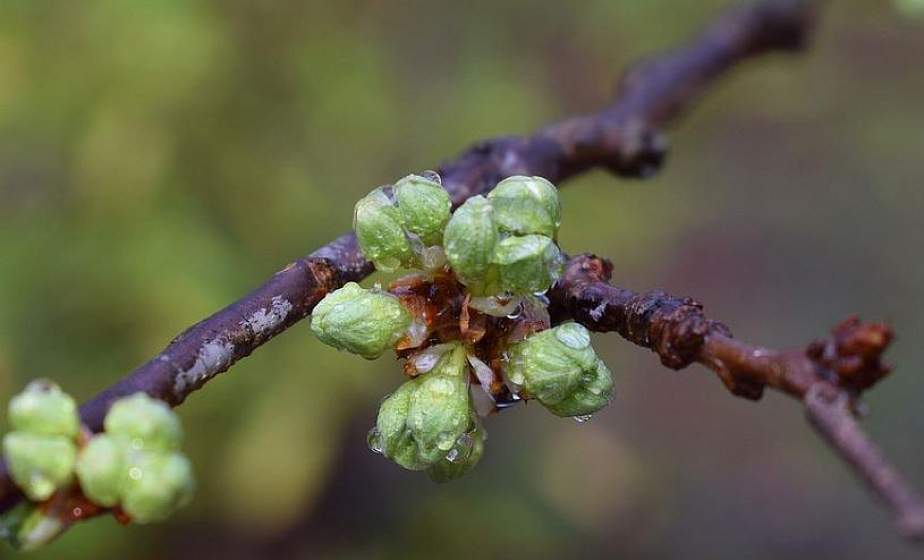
x: 573, y: 335
x: 77, y: 512
x: 462, y: 448
x: 137, y: 444
x: 374, y: 440
x: 582, y: 419
x: 135, y: 473
x: 432, y: 175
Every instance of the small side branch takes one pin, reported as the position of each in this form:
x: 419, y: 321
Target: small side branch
x: 828, y: 376
x: 625, y: 137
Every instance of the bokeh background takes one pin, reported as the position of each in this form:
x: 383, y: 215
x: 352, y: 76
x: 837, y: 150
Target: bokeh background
x: 159, y: 159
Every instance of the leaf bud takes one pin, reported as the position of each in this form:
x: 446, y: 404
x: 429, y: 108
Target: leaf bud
x: 364, y: 322
x: 528, y: 264
x: 101, y: 469
x: 424, y: 207
x: 147, y: 423
x: 380, y: 232
x: 422, y: 422
x: 43, y: 408
x: 469, y: 239
x: 39, y: 464
x: 157, y: 484
x: 526, y: 205
x: 560, y: 368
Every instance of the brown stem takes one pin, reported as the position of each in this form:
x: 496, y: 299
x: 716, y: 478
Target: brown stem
x: 624, y: 137
x: 828, y: 376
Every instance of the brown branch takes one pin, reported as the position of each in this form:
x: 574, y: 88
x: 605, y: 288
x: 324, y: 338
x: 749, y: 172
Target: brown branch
x: 828, y: 376
x: 624, y: 137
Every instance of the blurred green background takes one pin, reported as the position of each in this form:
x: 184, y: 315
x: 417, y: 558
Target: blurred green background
x: 159, y: 159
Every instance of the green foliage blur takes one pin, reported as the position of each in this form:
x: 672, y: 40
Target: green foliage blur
x: 159, y: 159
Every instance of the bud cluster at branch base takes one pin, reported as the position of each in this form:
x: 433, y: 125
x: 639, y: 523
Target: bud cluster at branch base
x: 472, y: 321
x: 134, y: 466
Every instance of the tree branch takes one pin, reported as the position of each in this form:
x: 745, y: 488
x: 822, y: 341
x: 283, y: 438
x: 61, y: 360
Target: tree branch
x: 828, y: 376
x: 625, y: 138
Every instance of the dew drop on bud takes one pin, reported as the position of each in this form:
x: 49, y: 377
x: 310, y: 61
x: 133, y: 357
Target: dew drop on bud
x: 583, y: 418
x: 432, y: 175
x: 462, y: 448
x: 374, y: 440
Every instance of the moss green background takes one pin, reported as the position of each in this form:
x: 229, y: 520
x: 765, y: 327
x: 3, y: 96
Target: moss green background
x: 159, y: 159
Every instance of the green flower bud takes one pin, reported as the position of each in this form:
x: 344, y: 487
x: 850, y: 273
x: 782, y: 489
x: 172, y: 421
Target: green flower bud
x: 527, y: 264
x: 391, y: 436
x: 364, y: 322
x: 379, y: 230
x: 39, y: 464
x: 470, y: 238
x: 439, y: 412
x: 463, y: 456
x: 526, y: 205
x: 147, y: 423
x: 421, y: 423
x: 424, y: 207
x: 101, y: 469
x: 157, y: 485
x: 560, y: 369
x: 43, y: 408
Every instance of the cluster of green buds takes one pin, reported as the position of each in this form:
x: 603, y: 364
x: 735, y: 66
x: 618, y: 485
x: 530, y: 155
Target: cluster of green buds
x: 559, y: 368
x: 134, y: 465
x: 401, y: 226
x: 429, y: 423
x: 136, y: 462
x: 500, y: 252
x: 41, y: 449
x: 505, y: 242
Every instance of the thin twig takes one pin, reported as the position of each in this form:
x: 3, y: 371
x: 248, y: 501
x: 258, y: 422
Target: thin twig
x: 827, y: 376
x: 625, y: 138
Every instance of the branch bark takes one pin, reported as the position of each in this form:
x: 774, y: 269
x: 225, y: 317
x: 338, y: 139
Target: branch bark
x: 626, y: 138
x: 827, y: 376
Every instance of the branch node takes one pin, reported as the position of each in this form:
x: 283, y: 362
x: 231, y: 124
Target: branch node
x: 853, y: 353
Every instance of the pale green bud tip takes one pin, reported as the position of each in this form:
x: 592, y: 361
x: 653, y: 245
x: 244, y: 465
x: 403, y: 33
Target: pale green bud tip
x: 43, y: 408
x: 560, y: 369
x: 39, y: 464
x: 526, y: 205
x: 382, y: 239
x: 101, y: 469
x: 148, y: 423
x: 364, y: 322
x: 428, y: 418
x: 424, y: 207
x: 527, y: 264
x: 156, y: 486
x: 470, y: 238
